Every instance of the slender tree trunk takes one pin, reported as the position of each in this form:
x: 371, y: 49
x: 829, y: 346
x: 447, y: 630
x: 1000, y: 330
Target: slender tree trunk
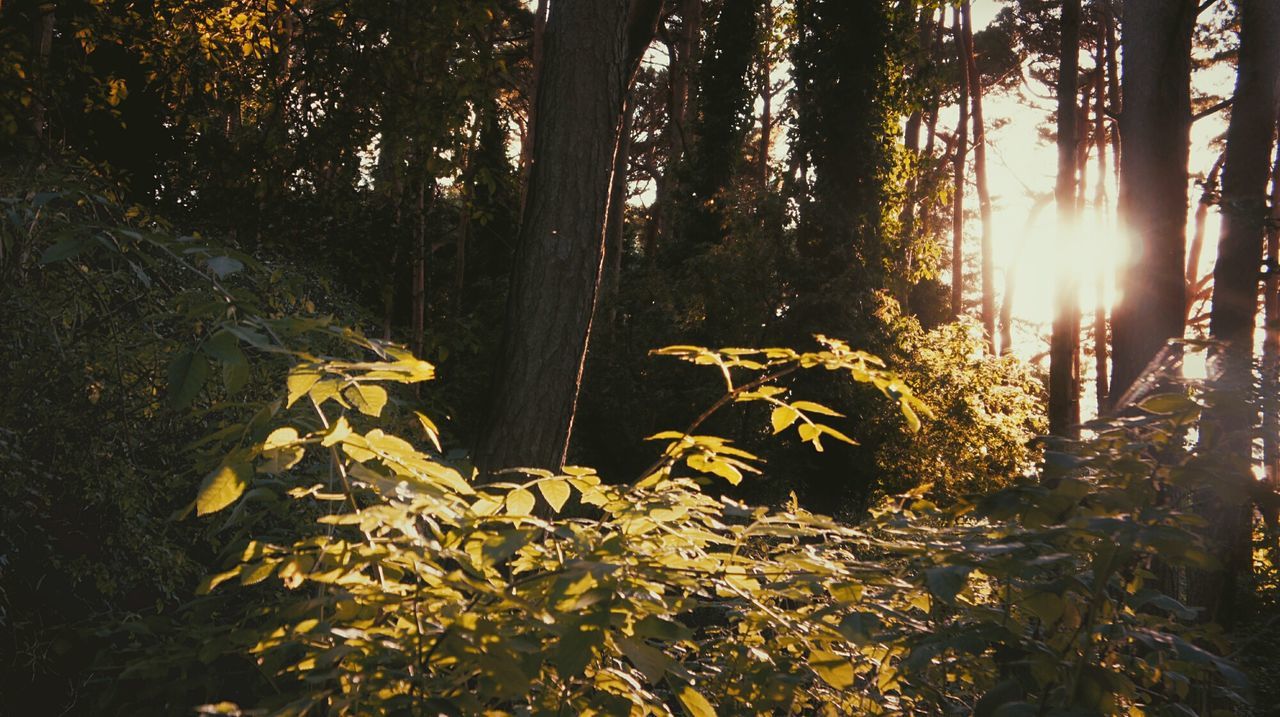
x: 1064, y: 378
x: 1271, y: 344
x: 1235, y: 292
x: 592, y: 50
x: 1102, y: 204
x: 615, y: 231
x: 1114, y: 98
x: 44, y: 48
x: 418, y: 323
x: 1011, y: 277
x: 980, y: 177
x: 1208, y: 198
x: 958, y: 172
x: 766, y: 96
x: 1155, y: 130
x: 531, y: 122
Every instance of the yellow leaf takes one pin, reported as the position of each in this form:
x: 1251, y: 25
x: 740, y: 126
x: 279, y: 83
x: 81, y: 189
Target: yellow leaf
x: 280, y: 437
x: 369, y: 400
x: 301, y: 379
x: 835, y: 670
x: 433, y: 433
x: 520, y: 502
x: 341, y: 429
x: 811, y: 407
x: 694, y: 704
x: 782, y: 417
x: 556, y: 491
x: 221, y: 488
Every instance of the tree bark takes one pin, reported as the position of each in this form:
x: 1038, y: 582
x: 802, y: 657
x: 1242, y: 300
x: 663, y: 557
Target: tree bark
x: 958, y: 171
x: 531, y: 122
x: 980, y: 177
x: 1101, y: 342
x: 1208, y: 198
x: 1270, y: 403
x: 592, y: 50
x: 766, y: 95
x: 1235, y: 292
x: 1064, y: 377
x: 1155, y: 138
x: 615, y: 231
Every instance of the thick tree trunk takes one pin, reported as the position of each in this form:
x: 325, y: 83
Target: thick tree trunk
x: 980, y: 177
x: 1155, y: 130
x: 1064, y: 376
x: 592, y: 50
x: 1235, y: 291
x: 958, y: 172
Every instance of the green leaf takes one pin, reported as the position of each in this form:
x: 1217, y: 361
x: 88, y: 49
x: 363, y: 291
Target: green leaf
x: 222, y: 487
x: 369, y: 400
x: 64, y: 249
x: 1166, y: 403
x: 651, y: 661
x: 782, y: 417
x: 224, y: 348
x: 225, y: 266
x: 694, y: 704
x: 1046, y: 606
x: 835, y: 670
x: 520, y: 502
x: 187, y: 375
x: 556, y: 491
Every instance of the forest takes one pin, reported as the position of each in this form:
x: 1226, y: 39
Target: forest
x: 436, y: 358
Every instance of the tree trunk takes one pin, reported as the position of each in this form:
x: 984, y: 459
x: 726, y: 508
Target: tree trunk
x: 1235, y: 292
x: 44, y: 48
x: 1102, y: 202
x: 1208, y: 198
x: 766, y: 96
x: 1155, y: 130
x: 980, y: 177
x: 592, y: 50
x: 1064, y: 377
x: 1270, y: 403
x: 957, y: 199
x: 615, y: 231
x: 1114, y: 98
x: 527, y: 139
x: 1011, y: 277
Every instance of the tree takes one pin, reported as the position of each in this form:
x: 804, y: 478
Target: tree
x: 592, y: 50
x: 1064, y: 366
x: 1235, y: 287
x: 1155, y: 138
x: 957, y: 198
x: 980, y: 178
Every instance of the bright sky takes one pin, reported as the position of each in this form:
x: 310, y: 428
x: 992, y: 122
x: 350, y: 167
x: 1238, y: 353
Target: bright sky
x: 1021, y: 165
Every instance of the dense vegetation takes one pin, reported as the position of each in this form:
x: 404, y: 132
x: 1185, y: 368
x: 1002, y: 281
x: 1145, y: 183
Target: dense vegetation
x: 390, y: 359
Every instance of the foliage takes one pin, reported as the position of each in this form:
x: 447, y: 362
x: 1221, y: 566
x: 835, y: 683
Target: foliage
x: 417, y: 589
x: 987, y: 412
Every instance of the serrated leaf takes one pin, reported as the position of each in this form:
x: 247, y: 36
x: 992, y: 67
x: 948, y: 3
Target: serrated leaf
x: 369, y: 400
x: 556, y: 491
x: 782, y: 417
x: 187, y: 375
x: 520, y: 502
x: 222, y: 487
